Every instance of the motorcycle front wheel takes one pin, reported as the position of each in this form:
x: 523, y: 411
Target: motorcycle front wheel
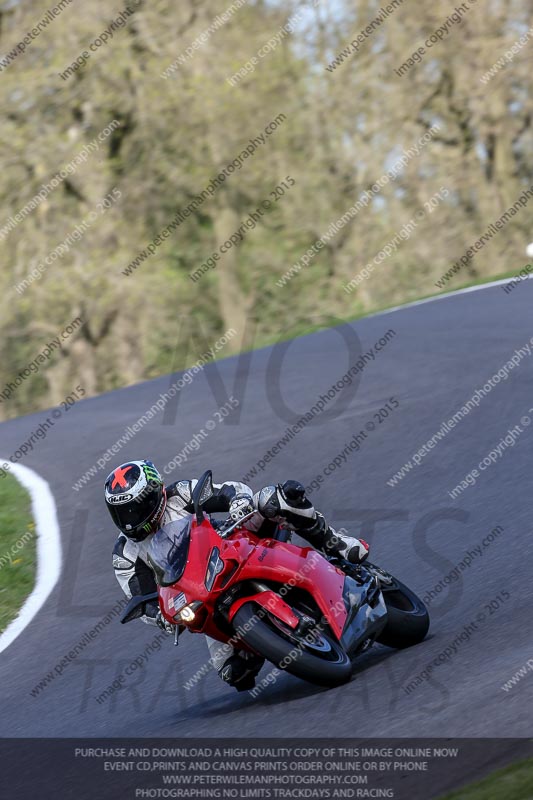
x: 315, y: 656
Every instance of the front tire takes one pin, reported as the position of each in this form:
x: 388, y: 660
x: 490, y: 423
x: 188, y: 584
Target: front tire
x: 407, y: 617
x: 324, y: 662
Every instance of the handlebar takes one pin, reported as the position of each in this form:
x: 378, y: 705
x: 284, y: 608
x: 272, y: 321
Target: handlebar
x: 224, y: 532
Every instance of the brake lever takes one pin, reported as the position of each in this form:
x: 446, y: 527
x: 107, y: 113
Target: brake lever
x: 224, y: 532
x: 178, y: 630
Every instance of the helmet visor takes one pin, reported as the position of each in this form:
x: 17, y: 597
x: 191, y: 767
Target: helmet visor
x: 129, y: 516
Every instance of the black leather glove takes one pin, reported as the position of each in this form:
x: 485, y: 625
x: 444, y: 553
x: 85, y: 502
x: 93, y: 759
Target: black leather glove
x: 226, y: 493
x: 293, y: 492
x: 286, y: 500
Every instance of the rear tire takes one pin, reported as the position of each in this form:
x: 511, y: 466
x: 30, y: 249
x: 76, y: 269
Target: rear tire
x: 407, y: 617
x: 333, y: 668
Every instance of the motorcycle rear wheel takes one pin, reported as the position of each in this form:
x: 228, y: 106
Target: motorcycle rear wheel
x: 407, y: 616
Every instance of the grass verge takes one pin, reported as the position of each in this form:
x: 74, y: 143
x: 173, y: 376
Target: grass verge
x: 511, y: 783
x: 17, y: 549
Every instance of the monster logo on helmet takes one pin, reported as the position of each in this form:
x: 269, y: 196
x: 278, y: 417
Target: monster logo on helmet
x: 151, y: 473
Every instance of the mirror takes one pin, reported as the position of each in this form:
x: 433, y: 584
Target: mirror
x: 201, y: 493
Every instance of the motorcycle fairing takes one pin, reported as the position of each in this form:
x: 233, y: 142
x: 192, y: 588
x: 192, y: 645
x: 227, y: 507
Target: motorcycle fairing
x: 272, y: 603
x: 305, y: 568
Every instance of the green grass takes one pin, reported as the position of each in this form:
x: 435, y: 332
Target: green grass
x: 512, y: 783
x: 17, y: 549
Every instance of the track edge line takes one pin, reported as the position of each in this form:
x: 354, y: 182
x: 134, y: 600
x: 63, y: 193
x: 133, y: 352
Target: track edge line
x: 48, y: 551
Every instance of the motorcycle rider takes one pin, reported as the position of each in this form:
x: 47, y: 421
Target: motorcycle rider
x: 140, y: 504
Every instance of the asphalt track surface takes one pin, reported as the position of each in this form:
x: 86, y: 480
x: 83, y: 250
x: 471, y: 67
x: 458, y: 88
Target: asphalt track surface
x: 441, y: 352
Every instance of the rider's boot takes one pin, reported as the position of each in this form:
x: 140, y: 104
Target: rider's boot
x: 241, y: 669
x: 333, y: 543
x: 238, y: 668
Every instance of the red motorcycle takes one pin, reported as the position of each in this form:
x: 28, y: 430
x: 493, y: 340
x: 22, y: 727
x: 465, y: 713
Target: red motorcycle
x: 303, y: 612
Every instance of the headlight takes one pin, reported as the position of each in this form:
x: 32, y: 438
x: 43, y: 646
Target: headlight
x: 188, y: 613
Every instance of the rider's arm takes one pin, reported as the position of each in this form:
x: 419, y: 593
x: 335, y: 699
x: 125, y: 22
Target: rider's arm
x: 181, y: 493
x: 224, y: 494
x: 134, y: 576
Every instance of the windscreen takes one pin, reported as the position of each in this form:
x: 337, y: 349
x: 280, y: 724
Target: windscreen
x: 168, y: 551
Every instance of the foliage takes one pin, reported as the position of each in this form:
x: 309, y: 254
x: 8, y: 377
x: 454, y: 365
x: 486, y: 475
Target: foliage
x: 344, y: 128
